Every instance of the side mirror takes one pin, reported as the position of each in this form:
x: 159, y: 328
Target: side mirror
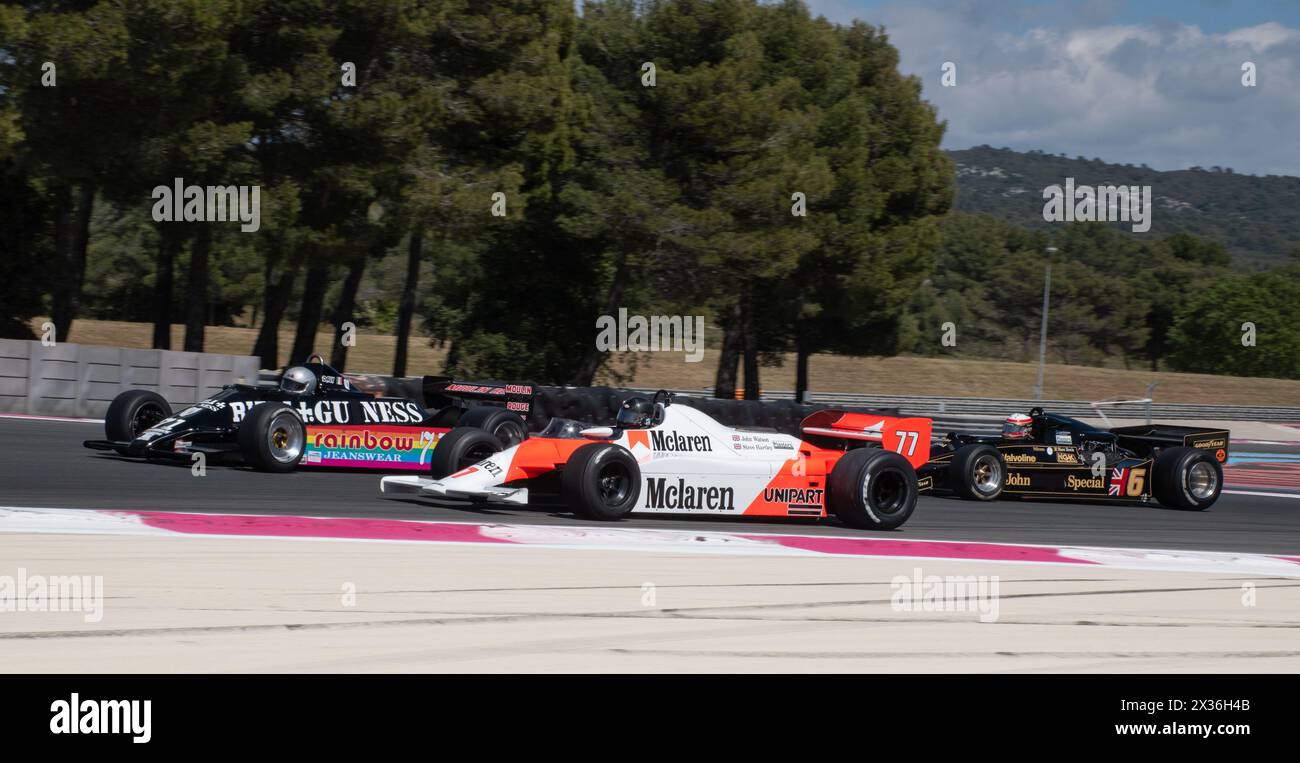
x: 598, y: 433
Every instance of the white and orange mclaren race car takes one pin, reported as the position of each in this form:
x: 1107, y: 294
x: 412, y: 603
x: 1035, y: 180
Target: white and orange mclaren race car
x: 675, y: 459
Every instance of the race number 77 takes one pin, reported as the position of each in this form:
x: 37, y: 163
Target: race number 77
x: 907, y: 442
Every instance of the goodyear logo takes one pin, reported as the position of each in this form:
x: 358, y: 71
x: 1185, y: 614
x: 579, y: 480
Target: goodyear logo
x: 1218, y: 442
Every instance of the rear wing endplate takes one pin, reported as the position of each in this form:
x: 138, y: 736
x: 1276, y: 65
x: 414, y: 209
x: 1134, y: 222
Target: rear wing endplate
x: 442, y: 391
x: 909, y: 437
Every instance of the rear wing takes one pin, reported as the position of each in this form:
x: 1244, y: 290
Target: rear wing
x: 1144, y: 437
x: 442, y: 391
x: 909, y: 437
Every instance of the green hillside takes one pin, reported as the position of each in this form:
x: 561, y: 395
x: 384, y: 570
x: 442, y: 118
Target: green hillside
x: 1257, y: 218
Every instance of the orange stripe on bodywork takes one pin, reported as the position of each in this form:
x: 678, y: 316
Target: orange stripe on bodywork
x: 537, y: 456
x: 807, y: 471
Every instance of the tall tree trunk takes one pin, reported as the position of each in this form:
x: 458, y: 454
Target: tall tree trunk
x: 196, y: 294
x: 800, y: 366
x: 275, y: 300
x: 591, y: 356
x: 309, y: 316
x: 72, y: 235
x: 169, y: 245
x: 750, y: 344
x: 404, y: 312
x: 724, y: 384
x: 343, y: 311
x: 60, y: 300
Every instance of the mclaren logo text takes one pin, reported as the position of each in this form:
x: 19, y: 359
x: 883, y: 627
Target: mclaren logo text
x: 661, y: 494
x: 673, y: 442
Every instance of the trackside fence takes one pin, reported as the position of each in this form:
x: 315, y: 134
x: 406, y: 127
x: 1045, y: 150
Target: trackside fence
x: 80, y: 380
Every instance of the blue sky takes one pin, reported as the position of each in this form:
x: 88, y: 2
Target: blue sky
x: 1156, y: 82
x: 1208, y: 15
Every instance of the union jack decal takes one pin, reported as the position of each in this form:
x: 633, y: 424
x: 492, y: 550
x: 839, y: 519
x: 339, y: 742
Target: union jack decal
x: 1117, y: 479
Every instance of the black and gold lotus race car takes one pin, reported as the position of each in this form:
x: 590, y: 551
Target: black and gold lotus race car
x: 1048, y: 456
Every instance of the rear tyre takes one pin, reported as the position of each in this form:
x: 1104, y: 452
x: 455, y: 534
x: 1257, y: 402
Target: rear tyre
x: 272, y: 438
x: 446, y: 418
x: 977, y: 472
x: 872, y: 489
x: 459, y: 448
x: 134, y: 411
x: 1186, y: 478
x: 506, y: 426
x: 601, y: 481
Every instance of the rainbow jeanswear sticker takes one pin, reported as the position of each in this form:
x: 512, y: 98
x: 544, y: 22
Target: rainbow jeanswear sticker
x: 370, y: 447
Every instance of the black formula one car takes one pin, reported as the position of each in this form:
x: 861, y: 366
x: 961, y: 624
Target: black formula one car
x: 1045, y: 455
x: 315, y: 417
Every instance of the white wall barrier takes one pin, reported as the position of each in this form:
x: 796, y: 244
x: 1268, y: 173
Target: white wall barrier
x: 81, y: 380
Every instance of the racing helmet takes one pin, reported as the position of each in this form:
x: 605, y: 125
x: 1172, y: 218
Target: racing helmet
x: 636, y: 412
x: 1017, y: 426
x: 298, y: 381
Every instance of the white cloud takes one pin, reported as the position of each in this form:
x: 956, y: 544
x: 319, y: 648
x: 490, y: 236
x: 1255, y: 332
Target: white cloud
x: 1167, y: 95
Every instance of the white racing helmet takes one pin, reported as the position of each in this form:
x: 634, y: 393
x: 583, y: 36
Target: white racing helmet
x: 298, y: 381
x: 1017, y: 426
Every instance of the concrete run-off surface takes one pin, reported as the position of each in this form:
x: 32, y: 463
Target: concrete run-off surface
x: 198, y: 604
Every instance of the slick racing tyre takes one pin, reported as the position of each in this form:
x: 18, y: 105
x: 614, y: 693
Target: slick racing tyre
x: 133, y: 412
x: 1186, y: 478
x: 447, y: 417
x: 507, y: 426
x: 872, y: 489
x: 601, y: 481
x: 459, y: 448
x: 977, y: 473
x: 272, y: 438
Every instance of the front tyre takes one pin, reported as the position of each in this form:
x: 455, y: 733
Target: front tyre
x: 977, y: 472
x: 459, y: 448
x: 506, y: 426
x: 272, y: 438
x: 1186, y: 478
x: 872, y: 489
x: 601, y: 481
x: 134, y: 411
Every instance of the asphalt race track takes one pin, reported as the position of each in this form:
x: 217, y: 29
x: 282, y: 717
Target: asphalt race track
x: 43, y: 464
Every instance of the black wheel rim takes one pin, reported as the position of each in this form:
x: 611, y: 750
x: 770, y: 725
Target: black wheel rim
x: 509, y: 433
x: 887, y: 492
x: 479, y: 451
x: 146, y: 416
x: 614, y: 481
